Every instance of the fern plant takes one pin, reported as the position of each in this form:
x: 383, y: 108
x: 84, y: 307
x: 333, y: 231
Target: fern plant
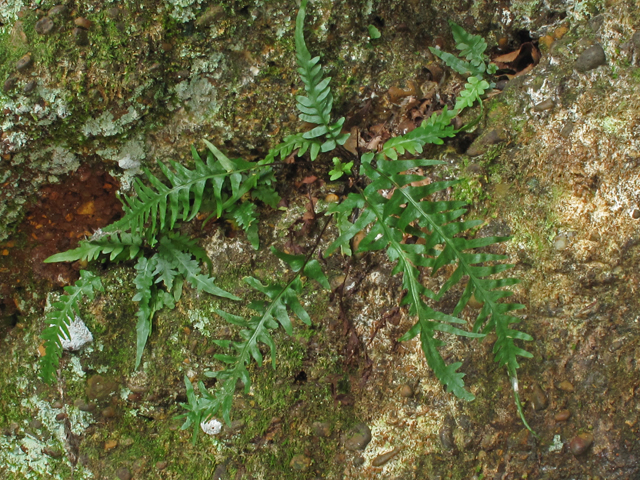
x: 220, y: 185
x: 408, y: 212
x: 165, y: 260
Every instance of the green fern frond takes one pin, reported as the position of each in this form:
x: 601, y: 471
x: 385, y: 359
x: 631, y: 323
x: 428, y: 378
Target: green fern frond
x: 246, y: 216
x: 473, y: 90
x: 431, y: 131
x: 170, y: 266
x: 119, y: 246
x: 289, y: 144
x: 145, y: 293
x: 316, y: 106
x: 409, y: 212
x: 257, y: 330
x: 157, y: 207
x: 189, y: 268
x: 472, y: 47
x: 61, y: 316
x: 388, y: 221
x: 457, y: 64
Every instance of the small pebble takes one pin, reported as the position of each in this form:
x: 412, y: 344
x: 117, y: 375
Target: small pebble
x: 9, y: 84
x: 109, y: 412
x: 591, y: 58
x: 635, y: 214
x: 113, y: 12
x: 35, y: 424
x: 30, y: 86
x: 83, y: 406
x: 358, y: 437
x: 123, y: 473
x: 539, y: 398
x: 127, y: 442
x: 566, y: 386
x: 580, y: 443
x: 83, y: 23
x: 474, y: 302
x: 52, y: 452
x: 58, y: 11
x: 44, y: 26
x: 300, y: 462
x: 220, y: 473
x: 406, y: 391
x: 24, y: 63
x: 110, y: 445
x: 501, y: 84
x: 566, y: 130
x: 446, y: 434
x: 81, y: 37
x: 562, y: 416
x: 596, y: 22
x: 547, y: 104
x: 321, y: 429
x: 560, y: 242
x: 161, y: 465
x: 385, y: 457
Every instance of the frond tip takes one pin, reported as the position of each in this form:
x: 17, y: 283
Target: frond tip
x: 60, y: 317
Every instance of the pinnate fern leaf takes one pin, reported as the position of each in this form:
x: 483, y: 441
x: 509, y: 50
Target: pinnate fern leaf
x: 119, y: 246
x: 157, y: 207
x: 270, y: 314
x: 145, y: 293
x: 409, y: 212
x: 472, y: 47
x: 170, y: 266
x: 315, y: 107
x: 432, y: 130
x: 63, y: 312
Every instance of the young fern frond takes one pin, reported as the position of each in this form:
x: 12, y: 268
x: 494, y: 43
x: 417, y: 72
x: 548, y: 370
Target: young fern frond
x: 472, y: 47
x: 158, y: 207
x: 473, y: 90
x: 269, y: 315
x: 432, y: 130
x: 316, y: 106
x: 291, y: 143
x: 60, y: 317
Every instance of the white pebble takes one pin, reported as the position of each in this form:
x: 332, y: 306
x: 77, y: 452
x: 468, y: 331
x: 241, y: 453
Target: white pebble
x: 79, y: 336
x: 212, y: 427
